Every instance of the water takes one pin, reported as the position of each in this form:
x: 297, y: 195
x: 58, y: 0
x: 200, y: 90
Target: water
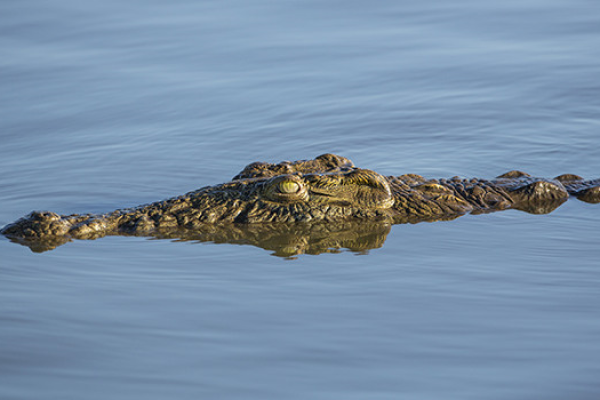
x: 116, y: 104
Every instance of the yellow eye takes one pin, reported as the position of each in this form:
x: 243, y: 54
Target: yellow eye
x: 289, y: 187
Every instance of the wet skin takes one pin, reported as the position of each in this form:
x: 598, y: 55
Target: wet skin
x: 329, y: 191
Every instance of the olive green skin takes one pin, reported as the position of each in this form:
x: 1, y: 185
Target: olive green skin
x: 328, y: 189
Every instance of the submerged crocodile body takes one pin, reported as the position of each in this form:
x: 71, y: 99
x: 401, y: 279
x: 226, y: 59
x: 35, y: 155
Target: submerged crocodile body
x: 328, y: 189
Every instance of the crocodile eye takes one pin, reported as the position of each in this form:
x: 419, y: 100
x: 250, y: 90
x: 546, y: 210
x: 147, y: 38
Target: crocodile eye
x: 289, y: 187
x: 284, y: 188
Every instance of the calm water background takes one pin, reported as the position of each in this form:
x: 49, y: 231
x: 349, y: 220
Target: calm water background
x: 116, y: 104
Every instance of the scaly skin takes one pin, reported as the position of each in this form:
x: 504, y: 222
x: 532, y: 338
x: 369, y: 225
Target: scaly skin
x: 327, y: 189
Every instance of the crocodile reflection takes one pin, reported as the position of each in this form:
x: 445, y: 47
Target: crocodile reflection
x: 293, y: 240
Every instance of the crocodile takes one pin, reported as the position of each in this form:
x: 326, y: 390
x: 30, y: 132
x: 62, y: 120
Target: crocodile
x: 329, y: 189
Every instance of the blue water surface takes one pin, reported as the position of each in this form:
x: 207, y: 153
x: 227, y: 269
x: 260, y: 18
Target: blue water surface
x: 117, y: 103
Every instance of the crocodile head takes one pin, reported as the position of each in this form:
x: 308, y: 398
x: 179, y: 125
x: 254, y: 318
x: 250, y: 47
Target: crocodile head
x: 327, y: 188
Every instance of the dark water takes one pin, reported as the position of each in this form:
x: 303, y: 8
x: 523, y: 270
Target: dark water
x: 120, y: 103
